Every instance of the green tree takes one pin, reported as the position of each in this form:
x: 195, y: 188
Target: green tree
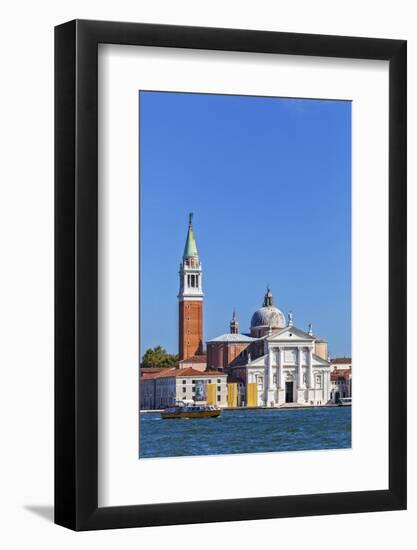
x: 158, y: 357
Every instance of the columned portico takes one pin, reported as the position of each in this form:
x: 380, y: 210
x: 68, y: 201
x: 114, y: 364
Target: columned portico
x: 286, y: 370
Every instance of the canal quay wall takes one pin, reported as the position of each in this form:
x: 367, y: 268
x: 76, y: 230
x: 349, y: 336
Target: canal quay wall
x: 280, y: 408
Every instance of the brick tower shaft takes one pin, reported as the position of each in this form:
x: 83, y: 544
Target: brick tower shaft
x: 191, y: 329
x: 190, y: 300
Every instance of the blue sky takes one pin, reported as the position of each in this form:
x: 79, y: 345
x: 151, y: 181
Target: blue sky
x: 269, y: 182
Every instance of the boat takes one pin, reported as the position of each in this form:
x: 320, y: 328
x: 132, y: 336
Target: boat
x: 191, y: 410
x: 344, y: 401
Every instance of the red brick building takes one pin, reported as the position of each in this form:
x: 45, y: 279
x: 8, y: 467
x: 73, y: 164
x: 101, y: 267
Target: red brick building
x: 228, y: 349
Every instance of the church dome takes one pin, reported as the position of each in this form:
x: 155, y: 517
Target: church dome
x: 268, y: 315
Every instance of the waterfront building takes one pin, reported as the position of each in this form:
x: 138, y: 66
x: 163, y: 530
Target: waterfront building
x: 274, y: 364
x: 277, y: 363
x: 163, y: 389
x: 341, y: 378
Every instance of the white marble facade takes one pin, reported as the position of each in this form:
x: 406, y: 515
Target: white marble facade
x: 289, y: 371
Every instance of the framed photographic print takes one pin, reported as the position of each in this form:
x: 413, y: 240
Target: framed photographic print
x: 230, y: 275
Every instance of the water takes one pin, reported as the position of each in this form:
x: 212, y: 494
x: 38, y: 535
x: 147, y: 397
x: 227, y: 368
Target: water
x: 246, y: 431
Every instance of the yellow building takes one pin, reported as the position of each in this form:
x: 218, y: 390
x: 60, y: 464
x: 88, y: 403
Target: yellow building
x: 252, y: 395
x: 232, y: 395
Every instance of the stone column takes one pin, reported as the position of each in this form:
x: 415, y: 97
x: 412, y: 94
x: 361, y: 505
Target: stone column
x: 300, y: 367
x: 270, y: 374
x: 280, y: 373
x: 310, y: 368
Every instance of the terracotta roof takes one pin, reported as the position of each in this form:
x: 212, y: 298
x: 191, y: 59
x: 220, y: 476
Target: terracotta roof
x: 147, y: 376
x: 342, y: 360
x: 195, y: 359
x: 169, y: 373
x: 144, y: 370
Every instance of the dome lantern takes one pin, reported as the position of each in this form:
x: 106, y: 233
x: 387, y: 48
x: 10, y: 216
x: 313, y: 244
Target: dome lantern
x: 267, y: 318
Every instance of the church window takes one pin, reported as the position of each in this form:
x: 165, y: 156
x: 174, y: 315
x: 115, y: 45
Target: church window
x: 219, y: 398
x: 184, y: 381
x: 274, y: 379
x: 184, y: 390
x: 219, y: 381
x: 196, y: 281
x: 219, y: 389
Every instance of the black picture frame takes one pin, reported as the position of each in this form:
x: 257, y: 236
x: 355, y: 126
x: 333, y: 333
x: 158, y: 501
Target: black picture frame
x: 76, y: 272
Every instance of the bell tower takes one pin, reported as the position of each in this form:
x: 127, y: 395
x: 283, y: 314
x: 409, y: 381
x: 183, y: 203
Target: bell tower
x: 190, y: 299
x: 234, y: 324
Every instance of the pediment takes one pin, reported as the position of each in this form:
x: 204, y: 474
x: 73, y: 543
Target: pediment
x: 290, y: 334
x: 258, y: 362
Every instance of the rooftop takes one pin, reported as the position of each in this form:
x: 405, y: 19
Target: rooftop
x: 336, y: 374
x: 190, y: 249
x: 150, y: 370
x: 195, y: 359
x: 229, y: 337
x: 174, y: 373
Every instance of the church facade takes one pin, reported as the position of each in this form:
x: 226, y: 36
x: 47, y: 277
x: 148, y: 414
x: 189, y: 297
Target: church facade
x: 276, y: 363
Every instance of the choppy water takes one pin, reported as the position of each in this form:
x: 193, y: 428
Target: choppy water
x: 246, y: 431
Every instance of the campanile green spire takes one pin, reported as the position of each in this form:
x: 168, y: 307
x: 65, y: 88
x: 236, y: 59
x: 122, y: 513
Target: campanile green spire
x: 190, y: 250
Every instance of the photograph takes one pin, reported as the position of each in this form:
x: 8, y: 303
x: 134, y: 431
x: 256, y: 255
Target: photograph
x: 209, y: 227
x: 245, y: 274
